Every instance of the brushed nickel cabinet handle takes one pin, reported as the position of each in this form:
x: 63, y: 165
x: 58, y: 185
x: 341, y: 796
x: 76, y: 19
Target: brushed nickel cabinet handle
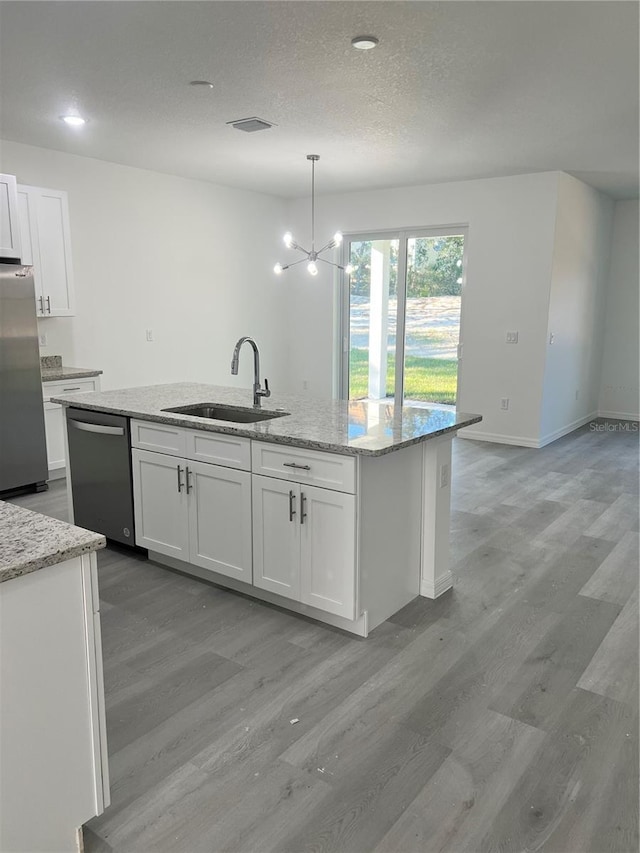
x: 189, y: 482
x: 295, y: 465
x: 49, y: 305
x: 72, y: 389
x: 292, y: 503
x: 41, y: 301
x: 303, y: 512
x: 180, y: 484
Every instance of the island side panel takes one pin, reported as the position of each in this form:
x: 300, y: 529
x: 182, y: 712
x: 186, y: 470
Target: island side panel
x: 436, y: 576
x: 390, y: 524
x: 48, y: 776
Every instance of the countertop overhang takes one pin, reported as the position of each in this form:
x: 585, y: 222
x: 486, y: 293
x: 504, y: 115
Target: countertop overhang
x: 338, y: 426
x: 30, y: 541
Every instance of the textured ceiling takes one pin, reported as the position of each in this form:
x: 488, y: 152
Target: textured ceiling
x: 455, y: 90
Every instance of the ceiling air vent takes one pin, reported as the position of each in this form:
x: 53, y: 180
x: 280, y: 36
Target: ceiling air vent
x: 250, y: 125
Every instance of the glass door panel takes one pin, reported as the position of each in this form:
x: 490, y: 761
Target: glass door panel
x: 372, y: 318
x: 435, y: 270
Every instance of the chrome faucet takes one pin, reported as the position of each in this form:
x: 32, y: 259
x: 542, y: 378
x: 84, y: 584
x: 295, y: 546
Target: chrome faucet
x: 258, y: 392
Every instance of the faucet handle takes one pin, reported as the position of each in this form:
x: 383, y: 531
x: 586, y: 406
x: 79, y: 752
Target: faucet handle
x: 266, y: 392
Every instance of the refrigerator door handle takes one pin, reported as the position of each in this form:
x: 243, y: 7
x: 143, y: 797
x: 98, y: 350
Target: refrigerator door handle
x: 103, y: 430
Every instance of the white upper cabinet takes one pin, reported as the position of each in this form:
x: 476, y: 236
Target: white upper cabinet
x: 10, y: 246
x: 46, y: 244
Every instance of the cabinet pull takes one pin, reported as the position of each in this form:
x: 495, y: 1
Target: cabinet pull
x: 41, y: 301
x: 179, y: 470
x: 49, y: 305
x: 292, y: 503
x: 303, y: 512
x: 189, y: 483
x: 72, y: 389
x: 295, y: 465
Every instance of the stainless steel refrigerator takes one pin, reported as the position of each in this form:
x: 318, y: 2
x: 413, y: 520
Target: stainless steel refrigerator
x: 23, y: 451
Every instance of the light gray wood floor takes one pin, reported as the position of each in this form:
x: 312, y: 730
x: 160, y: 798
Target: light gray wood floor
x: 501, y: 717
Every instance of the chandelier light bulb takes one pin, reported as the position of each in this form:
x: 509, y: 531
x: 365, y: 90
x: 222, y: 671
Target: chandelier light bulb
x: 277, y: 269
x: 288, y: 239
x: 312, y: 268
x: 348, y: 269
x: 337, y: 238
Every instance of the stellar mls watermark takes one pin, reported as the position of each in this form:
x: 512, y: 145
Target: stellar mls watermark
x: 614, y: 426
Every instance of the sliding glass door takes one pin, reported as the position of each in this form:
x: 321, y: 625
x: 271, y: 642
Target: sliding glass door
x: 401, y: 316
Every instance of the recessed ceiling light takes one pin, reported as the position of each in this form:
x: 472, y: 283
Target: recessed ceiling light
x: 364, y: 42
x: 73, y: 121
x: 205, y: 83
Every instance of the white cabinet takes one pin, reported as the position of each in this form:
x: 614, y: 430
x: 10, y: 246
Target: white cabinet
x: 54, y: 419
x: 160, y: 502
x: 10, y: 243
x: 46, y: 244
x: 304, y: 544
x: 54, y: 771
x: 193, y: 511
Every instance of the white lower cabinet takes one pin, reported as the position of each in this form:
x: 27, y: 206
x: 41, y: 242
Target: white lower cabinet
x: 304, y: 544
x: 193, y: 511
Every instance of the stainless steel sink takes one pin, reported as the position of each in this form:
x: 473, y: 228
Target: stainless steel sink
x: 219, y: 412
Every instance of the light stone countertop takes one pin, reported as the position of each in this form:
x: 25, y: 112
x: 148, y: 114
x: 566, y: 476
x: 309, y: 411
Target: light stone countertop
x: 339, y: 426
x: 53, y: 374
x: 30, y: 541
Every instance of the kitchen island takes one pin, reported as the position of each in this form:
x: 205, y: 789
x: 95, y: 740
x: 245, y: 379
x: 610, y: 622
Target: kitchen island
x: 53, y: 755
x: 337, y: 510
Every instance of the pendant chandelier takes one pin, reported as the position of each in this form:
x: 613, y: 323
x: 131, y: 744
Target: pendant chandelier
x: 312, y: 256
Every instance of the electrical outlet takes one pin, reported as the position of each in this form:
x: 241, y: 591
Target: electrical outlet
x: 43, y: 340
x: 305, y: 384
x: 552, y: 338
x: 577, y: 393
x: 149, y: 333
x: 512, y: 337
x: 504, y: 404
x: 444, y: 475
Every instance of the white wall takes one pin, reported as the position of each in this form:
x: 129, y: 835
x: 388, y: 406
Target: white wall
x: 576, y: 308
x: 511, y: 228
x: 619, y: 385
x: 188, y: 259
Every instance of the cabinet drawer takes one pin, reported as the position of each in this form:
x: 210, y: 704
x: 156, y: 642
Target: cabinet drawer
x: 327, y: 470
x: 219, y: 449
x: 68, y: 386
x: 163, y: 438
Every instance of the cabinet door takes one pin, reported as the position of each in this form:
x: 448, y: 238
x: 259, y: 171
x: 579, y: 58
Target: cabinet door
x: 276, y: 536
x: 55, y: 252
x: 54, y: 429
x: 44, y: 222
x: 10, y: 246
x: 29, y: 238
x: 328, y: 551
x: 220, y: 519
x: 160, y: 503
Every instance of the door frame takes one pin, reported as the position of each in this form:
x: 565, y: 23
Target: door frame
x: 402, y: 235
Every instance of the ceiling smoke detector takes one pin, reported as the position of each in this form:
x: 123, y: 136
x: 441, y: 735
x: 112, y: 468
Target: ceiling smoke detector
x: 250, y: 125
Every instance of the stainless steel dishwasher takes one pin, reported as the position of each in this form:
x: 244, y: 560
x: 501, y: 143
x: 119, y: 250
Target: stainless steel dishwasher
x: 100, y: 466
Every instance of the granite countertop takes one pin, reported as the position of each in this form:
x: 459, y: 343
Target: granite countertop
x: 351, y: 427
x: 52, y: 369
x: 31, y: 541
x: 50, y: 374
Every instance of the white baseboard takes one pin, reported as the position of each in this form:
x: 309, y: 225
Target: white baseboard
x: 619, y: 416
x: 499, y: 438
x: 428, y: 589
x: 565, y: 430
